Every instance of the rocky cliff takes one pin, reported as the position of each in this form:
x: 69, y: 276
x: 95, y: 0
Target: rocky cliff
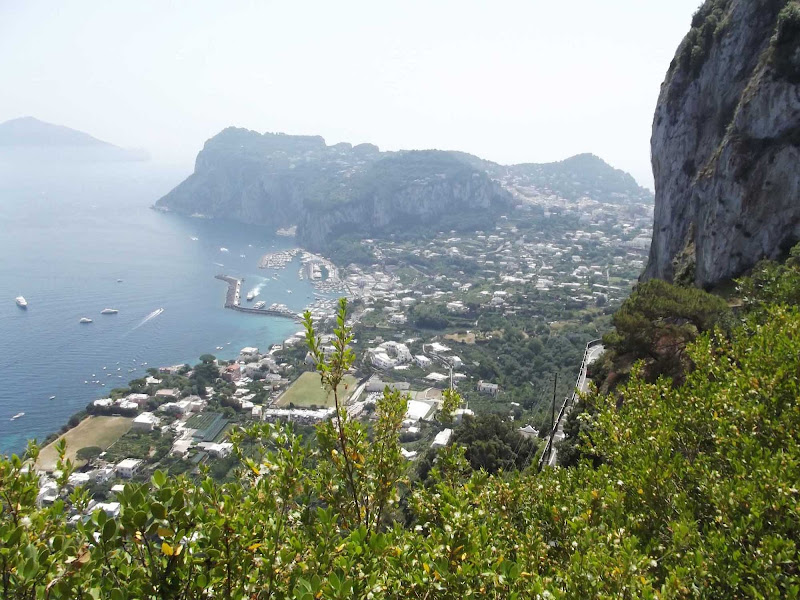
x: 725, y: 141
x: 280, y: 180
x: 332, y: 191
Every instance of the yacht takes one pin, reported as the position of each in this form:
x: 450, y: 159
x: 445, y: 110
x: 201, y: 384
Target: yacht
x: 21, y: 302
x: 85, y: 320
x: 109, y: 311
x: 17, y: 416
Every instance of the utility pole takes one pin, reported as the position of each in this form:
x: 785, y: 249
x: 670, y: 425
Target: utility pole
x: 553, y: 421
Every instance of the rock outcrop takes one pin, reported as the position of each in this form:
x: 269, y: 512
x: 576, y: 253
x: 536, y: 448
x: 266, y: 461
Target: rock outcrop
x: 343, y: 190
x: 280, y: 180
x: 725, y: 144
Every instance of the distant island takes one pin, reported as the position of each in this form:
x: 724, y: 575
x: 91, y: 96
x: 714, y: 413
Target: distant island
x: 340, y: 191
x: 28, y: 137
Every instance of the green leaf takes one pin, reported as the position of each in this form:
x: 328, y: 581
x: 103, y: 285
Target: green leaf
x: 158, y: 510
x: 159, y: 479
x: 109, y: 529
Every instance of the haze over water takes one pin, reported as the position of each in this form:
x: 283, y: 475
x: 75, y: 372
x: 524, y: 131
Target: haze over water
x: 69, y: 232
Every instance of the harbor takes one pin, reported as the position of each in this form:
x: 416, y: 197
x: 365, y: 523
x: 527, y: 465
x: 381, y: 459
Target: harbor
x: 233, y: 301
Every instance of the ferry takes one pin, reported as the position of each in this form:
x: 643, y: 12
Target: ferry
x: 17, y: 416
x: 21, y: 302
x: 85, y: 320
x: 109, y: 311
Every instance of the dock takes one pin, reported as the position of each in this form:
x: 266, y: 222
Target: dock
x: 233, y: 296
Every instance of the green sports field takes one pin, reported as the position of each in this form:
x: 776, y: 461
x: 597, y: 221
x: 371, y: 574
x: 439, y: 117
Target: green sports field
x: 307, y: 391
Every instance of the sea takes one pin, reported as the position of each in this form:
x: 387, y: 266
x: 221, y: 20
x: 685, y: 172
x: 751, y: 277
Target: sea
x: 77, y: 238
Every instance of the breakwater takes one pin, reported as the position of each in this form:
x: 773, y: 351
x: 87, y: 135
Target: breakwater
x: 232, y: 300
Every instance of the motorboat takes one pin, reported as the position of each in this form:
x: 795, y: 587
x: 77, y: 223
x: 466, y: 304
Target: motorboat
x: 17, y: 416
x: 21, y: 302
x: 85, y: 320
x: 109, y: 311
x: 52, y: 397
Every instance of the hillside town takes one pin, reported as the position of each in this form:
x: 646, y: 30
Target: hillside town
x: 425, y: 316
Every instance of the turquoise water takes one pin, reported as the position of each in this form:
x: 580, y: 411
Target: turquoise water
x: 67, y: 234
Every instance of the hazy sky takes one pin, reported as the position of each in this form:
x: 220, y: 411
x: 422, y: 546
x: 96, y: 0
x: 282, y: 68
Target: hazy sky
x: 511, y: 81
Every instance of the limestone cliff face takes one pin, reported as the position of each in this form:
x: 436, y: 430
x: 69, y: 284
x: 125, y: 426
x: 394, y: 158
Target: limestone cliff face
x: 281, y: 180
x: 725, y: 144
x: 423, y: 202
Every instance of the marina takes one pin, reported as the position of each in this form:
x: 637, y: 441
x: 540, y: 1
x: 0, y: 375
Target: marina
x: 233, y: 296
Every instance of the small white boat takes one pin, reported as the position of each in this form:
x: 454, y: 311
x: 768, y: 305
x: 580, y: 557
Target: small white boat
x: 109, y: 311
x: 85, y: 320
x: 21, y: 302
x: 17, y: 416
x: 52, y: 397
x: 224, y: 250
x: 194, y: 239
x: 288, y: 291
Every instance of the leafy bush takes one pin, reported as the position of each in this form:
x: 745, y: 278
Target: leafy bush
x: 786, y: 42
x: 695, y: 495
x: 659, y: 319
x: 492, y: 444
x: 88, y: 452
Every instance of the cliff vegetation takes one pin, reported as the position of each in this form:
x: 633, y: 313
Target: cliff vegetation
x: 689, y: 490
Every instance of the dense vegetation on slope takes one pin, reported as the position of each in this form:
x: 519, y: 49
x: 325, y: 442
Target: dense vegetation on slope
x: 693, y: 493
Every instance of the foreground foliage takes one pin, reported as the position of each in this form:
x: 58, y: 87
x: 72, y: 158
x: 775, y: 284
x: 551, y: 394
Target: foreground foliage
x: 695, y: 495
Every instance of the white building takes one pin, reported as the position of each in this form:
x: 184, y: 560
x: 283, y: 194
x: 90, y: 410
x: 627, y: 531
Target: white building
x: 128, y: 468
x: 457, y: 306
x: 382, y: 360
x: 146, y: 421
x: 442, y: 438
x: 422, y: 360
x: 485, y: 387
x: 438, y: 348
x: 139, y: 399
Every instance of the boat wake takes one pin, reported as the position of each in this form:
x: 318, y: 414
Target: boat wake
x: 149, y: 317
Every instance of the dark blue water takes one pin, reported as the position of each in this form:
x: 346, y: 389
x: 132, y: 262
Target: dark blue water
x: 66, y: 235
